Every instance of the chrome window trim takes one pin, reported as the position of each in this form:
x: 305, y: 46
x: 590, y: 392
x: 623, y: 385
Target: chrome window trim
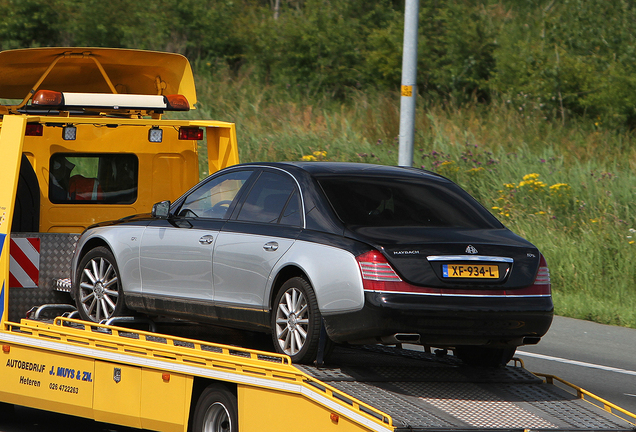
x: 469, y: 258
x: 300, y: 191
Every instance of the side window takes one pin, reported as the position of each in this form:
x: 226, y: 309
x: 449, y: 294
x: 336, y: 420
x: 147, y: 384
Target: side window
x: 291, y: 214
x: 269, y: 197
x: 213, y: 198
x: 93, y: 178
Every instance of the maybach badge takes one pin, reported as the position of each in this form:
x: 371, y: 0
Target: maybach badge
x: 117, y: 375
x: 471, y: 249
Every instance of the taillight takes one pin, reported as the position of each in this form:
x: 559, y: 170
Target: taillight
x: 378, y: 275
x: 190, y: 133
x: 541, y: 285
x: 34, y: 129
x: 543, y: 275
x: 375, y: 267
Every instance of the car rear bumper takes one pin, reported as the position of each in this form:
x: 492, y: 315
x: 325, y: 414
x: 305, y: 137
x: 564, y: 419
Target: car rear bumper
x: 444, y: 320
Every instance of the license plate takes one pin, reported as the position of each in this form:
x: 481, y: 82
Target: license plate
x: 470, y: 271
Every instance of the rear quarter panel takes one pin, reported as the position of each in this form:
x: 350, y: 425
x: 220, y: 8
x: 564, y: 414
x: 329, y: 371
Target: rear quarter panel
x: 332, y: 272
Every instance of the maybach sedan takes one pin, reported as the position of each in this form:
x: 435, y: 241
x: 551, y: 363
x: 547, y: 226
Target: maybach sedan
x: 376, y: 254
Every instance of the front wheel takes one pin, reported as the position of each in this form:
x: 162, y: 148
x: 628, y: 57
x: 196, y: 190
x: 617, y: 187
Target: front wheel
x: 216, y: 411
x: 98, y: 292
x: 296, y: 321
x: 483, y: 356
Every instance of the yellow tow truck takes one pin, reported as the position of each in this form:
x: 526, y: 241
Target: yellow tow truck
x: 83, y: 140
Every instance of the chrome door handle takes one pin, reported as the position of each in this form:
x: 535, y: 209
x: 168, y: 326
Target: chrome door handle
x: 270, y: 246
x: 206, y: 239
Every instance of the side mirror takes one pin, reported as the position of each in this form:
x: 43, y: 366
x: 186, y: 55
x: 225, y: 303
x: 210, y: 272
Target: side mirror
x: 161, y: 209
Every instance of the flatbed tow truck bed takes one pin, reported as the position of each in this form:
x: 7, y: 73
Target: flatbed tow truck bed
x: 422, y: 391
x: 376, y: 387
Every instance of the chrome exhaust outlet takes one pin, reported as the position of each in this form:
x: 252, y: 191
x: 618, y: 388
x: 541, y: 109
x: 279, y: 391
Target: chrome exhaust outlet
x: 398, y: 338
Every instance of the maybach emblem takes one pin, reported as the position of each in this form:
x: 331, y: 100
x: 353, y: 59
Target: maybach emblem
x: 471, y: 249
x: 117, y: 375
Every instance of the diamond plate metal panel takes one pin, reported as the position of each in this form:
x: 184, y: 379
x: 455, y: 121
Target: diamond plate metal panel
x: 469, y: 403
x: 56, y: 253
x: 567, y: 410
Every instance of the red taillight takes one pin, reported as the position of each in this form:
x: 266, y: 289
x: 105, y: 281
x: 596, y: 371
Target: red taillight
x: 375, y: 267
x: 189, y: 133
x: 541, y: 285
x: 48, y: 98
x: 177, y: 102
x: 543, y: 275
x: 34, y: 129
x: 378, y: 275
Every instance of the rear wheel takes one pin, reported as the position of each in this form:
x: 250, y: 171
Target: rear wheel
x: 482, y: 356
x: 98, y: 293
x: 216, y: 411
x: 296, y: 321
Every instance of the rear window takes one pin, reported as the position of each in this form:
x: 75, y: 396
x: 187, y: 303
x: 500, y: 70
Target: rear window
x: 373, y: 201
x: 93, y: 178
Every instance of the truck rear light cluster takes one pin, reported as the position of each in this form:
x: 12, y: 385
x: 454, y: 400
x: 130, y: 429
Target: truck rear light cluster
x: 190, y: 133
x: 34, y: 129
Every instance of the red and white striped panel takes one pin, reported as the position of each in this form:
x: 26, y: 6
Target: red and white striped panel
x: 24, y: 262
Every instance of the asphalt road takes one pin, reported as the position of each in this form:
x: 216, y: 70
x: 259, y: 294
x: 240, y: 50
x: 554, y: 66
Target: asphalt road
x: 596, y: 357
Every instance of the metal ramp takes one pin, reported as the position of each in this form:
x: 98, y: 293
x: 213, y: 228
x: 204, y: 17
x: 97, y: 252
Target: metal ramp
x: 423, y: 391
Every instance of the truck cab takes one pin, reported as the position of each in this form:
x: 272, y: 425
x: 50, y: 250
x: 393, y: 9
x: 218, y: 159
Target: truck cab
x: 87, y: 135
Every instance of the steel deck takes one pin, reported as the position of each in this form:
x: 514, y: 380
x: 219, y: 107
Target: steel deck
x: 423, y: 391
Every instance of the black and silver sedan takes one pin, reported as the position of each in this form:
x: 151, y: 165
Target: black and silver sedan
x: 376, y: 254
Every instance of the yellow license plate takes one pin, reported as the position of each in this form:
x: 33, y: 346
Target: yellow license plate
x: 470, y: 271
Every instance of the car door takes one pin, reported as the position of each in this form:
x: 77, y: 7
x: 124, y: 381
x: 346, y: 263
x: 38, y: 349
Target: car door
x: 176, y: 253
x: 262, y: 228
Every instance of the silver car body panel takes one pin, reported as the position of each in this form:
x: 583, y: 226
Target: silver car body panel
x: 177, y: 263
x: 124, y: 242
x: 242, y: 265
x: 333, y: 274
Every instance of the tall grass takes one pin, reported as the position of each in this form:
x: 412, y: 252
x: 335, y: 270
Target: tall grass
x: 568, y: 188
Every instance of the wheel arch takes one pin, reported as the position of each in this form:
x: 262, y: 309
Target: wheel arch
x: 89, y: 245
x: 198, y: 387
x: 283, y: 275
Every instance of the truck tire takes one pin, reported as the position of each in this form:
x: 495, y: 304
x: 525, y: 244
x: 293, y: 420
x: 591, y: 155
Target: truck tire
x: 98, y: 291
x: 296, y: 320
x: 216, y: 410
x: 483, y: 356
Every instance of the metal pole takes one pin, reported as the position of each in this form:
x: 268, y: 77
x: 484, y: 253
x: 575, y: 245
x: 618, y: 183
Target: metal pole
x: 409, y: 90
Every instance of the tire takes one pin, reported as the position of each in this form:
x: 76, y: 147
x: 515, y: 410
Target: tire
x: 98, y: 291
x: 296, y: 321
x: 481, y: 356
x: 216, y: 411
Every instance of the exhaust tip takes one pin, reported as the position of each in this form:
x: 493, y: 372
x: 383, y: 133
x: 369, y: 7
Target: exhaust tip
x: 412, y: 338
x: 531, y: 340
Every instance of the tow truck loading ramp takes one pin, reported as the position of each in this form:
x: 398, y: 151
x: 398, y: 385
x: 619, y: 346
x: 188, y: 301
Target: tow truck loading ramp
x: 126, y: 376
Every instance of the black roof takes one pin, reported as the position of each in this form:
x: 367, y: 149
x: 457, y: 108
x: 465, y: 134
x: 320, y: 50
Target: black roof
x: 352, y: 168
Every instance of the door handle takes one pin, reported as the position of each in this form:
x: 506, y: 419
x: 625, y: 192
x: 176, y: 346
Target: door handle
x: 270, y: 246
x: 206, y: 239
